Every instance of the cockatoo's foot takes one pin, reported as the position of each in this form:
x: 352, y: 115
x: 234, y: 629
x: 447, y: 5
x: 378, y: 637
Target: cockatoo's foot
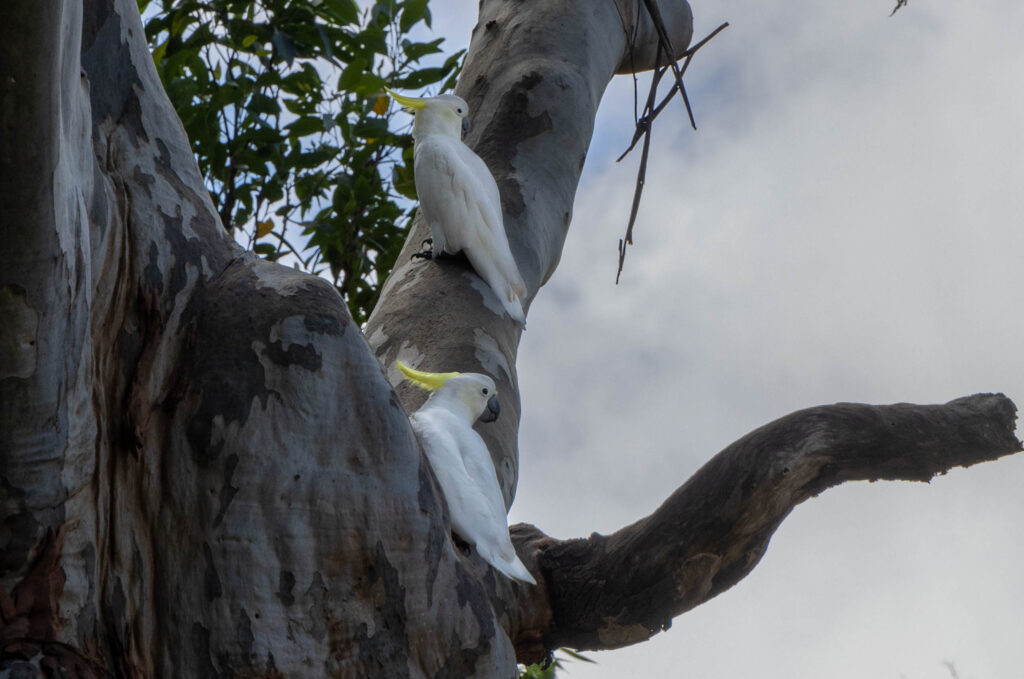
x: 461, y: 544
x: 425, y: 252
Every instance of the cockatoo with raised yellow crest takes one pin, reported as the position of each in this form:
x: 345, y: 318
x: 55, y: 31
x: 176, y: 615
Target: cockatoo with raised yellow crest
x: 461, y: 463
x: 459, y: 198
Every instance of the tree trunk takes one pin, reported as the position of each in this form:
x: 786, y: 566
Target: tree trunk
x: 204, y: 469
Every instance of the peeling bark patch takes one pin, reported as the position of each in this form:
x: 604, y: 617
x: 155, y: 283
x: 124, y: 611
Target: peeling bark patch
x: 227, y: 491
x: 487, y: 294
x: 201, y: 650
x: 211, y: 581
x: 615, y: 636
x: 285, y: 585
x: 99, y: 209
x: 460, y: 661
x: 113, y: 78
x: 129, y: 349
x: 238, y: 328
x: 30, y: 619
x: 19, y: 525
x: 33, y: 659
x: 304, y: 355
x: 243, y: 635
x: 113, y: 605
x: 489, y: 353
x: 315, y: 600
x: 324, y: 324
x: 18, y: 670
x: 436, y: 535
x: 379, y: 655
x: 86, y: 620
x: 470, y: 593
x: 186, y: 251
x: 144, y: 181
x: 222, y: 371
x: 205, y: 223
x: 18, y: 337
x: 151, y: 275
x: 505, y: 131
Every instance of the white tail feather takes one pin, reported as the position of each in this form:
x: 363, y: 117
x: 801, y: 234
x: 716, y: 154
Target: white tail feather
x: 510, y: 566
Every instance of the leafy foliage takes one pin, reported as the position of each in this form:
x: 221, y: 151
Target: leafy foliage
x: 282, y: 101
x: 550, y: 669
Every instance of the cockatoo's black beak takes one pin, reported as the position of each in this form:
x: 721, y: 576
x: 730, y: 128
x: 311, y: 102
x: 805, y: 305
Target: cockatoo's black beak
x: 490, y: 414
x: 465, y: 125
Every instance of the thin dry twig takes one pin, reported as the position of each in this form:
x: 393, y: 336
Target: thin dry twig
x: 645, y: 122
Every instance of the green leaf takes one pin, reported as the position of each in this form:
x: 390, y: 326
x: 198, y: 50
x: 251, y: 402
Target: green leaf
x: 414, y: 12
x: 577, y: 656
x: 404, y: 181
x: 417, y: 50
x: 421, y: 78
x: 373, y: 39
x: 371, y: 128
x: 281, y: 102
x: 383, y: 11
x: 261, y: 103
x: 353, y: 74
x: 268, y: 250
x: 325, y: 40
x: 359, y: 79
x: 342, y: 11
x: 284, y: 45
x: 159, y: 52
x: 298, y: 106
x: 305, y: 126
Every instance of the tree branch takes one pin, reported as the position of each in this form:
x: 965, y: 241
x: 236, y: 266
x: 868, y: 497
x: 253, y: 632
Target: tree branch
x: 609, y: 591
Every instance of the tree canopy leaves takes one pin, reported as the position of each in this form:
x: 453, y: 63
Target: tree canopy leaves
x: 283, y: 103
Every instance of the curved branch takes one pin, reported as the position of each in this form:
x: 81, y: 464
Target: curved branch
x: 610, y: 591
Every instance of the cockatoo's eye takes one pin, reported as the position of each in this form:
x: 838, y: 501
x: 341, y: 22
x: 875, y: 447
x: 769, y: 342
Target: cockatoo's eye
x: 459, y: 111
x: 484, y: 391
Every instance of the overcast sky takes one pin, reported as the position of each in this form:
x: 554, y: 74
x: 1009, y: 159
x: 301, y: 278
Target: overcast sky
x: 845, y: 225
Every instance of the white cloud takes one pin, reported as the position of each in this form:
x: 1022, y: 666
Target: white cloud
x: 845, y: 225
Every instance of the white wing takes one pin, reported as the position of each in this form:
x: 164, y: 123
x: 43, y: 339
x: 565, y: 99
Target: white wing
x: 460, y: 201
x: 464, y: 470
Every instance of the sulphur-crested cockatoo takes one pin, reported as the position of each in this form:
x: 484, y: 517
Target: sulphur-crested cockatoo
x: 459, y: 198
x: 462, y: 464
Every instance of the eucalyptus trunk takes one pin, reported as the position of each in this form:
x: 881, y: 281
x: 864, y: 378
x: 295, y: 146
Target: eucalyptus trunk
x: 204, y: 467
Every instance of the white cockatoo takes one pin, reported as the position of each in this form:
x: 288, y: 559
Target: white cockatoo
x: 459, y: 198
x: 461, y: 463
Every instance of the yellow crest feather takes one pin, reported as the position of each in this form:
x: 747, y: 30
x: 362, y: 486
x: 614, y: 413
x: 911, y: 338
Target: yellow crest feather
x: 429, y: 381
x: 414, y: 103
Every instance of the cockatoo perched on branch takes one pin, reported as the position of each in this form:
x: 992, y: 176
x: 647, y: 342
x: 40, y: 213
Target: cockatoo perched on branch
x: 462, y: 464
x: 459, y: 198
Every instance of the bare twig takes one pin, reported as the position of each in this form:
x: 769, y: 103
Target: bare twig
x: 645, y: 122
x: 899, y: 3
x: 666, y: 45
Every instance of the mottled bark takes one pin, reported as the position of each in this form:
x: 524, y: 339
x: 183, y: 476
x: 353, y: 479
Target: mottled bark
x: 204, y: 469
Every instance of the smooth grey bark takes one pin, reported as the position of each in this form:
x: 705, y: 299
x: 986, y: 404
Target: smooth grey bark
x: 203, y: 467
x: 533, y: 80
